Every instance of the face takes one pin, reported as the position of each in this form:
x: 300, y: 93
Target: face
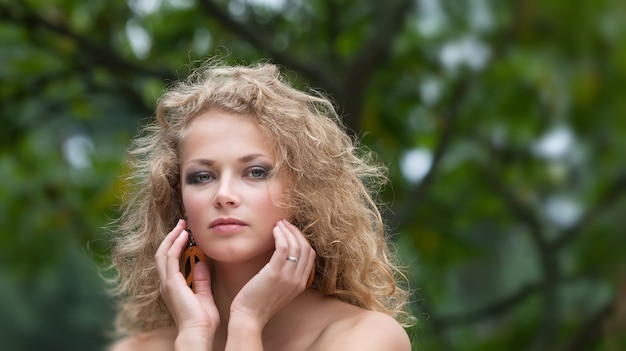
x: 227, y: 190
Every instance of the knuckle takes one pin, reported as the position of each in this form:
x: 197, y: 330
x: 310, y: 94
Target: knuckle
x: 282, y: 246
x: 274, y: 276
x: 168, y: 285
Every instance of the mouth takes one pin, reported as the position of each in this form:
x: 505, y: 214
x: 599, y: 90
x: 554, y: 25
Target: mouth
x: 227, y: 224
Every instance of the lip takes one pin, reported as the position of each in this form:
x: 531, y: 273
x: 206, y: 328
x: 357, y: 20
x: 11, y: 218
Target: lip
x: 227, y: 224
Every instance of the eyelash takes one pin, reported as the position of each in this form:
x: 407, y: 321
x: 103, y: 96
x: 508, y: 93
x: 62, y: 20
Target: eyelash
x: 264, y: 172
x: 196, y: 177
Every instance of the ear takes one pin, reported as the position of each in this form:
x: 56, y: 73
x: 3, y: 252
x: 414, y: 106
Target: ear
x: 181, y: 204
x: 181, y: 210
x: 299, y: 221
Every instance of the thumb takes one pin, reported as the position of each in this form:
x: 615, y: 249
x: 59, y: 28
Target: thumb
x: 202, y: 279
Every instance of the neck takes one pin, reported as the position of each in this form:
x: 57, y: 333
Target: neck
x: 228, y: 278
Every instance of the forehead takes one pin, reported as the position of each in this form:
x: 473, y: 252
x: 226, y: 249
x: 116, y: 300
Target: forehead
x: 225, y: 133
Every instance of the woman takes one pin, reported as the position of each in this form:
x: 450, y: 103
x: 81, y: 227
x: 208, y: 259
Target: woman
x: 272, y: 190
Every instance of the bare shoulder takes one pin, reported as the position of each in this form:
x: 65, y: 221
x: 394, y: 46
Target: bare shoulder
x: 158, y: 340
x: 359, y: 329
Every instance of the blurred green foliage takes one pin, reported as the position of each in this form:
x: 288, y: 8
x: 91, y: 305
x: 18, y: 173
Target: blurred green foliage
x: 502, y: 122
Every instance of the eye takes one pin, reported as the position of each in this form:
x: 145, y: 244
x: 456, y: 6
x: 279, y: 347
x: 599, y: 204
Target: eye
x: 258, y: 173
x: 199, y: 177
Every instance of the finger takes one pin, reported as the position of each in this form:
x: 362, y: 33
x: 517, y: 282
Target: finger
x: 202, y: 284
x: 172, y: 266
x: 294, y: 244
x: 161, y: 254
x: 300, y: 249
x: 202, y: 279
x: 307, y: 253
x: 303, y: 242
x: 281, y: 245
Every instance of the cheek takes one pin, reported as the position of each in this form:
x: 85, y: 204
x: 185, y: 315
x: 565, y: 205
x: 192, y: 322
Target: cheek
x: 191, y: 205
x: 274, y: 202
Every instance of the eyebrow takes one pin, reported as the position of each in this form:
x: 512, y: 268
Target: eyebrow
x: 243, y: 159
x: 251, y: 157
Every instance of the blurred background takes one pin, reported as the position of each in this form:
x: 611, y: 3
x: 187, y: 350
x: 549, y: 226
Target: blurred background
x: 503, y: 123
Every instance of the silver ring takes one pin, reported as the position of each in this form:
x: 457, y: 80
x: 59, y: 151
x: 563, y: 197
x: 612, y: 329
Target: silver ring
x: 292, y: 259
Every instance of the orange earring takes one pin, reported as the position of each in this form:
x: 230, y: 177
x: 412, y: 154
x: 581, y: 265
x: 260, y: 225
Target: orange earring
x: 188, y: 259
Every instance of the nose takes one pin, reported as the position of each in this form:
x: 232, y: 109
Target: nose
x: 226, y: 195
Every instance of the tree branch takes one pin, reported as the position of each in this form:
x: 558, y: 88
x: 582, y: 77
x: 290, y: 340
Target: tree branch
x: 332, y: 29
x: 371, y: 56
x: 316, y: 77
x: 490, y: 311
x: 103, y: 55
x: 547, y: 257
x: 613, y: 192
x: 590, y: 331
x: 447, y: 130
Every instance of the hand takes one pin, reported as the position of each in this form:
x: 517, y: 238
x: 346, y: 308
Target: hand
x: 194, y: 313
x: 279, y: 281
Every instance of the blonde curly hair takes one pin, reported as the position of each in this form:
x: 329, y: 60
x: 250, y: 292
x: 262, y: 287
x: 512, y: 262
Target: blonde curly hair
x: 333, y: 197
